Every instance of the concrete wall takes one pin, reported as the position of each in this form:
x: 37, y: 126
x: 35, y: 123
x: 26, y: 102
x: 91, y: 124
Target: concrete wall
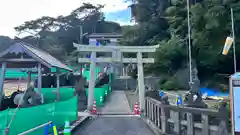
x: 131, y: 84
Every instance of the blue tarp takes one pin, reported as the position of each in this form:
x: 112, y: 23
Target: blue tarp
x: 212, y: 92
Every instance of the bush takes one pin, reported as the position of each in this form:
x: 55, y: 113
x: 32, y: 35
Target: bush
x: 163, y: 80
x: 223, y: 87
x: 170, y: 84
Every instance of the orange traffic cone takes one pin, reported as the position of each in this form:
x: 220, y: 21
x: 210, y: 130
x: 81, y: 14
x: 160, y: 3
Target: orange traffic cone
x: 136, y: 108
x: 94, y: 108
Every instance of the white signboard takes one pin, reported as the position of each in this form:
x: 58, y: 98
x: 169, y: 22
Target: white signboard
x: 235, y: 106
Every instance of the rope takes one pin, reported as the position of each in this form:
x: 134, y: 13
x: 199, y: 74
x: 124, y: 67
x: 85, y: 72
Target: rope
x: 15, y: 112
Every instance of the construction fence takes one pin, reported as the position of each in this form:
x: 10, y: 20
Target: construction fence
x: 27, y: 118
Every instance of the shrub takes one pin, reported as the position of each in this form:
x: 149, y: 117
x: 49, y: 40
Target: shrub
x: 170, y: 84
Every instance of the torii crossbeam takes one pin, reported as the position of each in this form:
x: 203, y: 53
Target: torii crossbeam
x: 117, y: 50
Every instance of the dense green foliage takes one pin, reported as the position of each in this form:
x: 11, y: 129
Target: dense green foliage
x: 164, y: 22
x: 56, y: 35
x: 161, y: 22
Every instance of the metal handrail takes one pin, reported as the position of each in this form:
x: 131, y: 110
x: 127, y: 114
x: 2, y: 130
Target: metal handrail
x: 35, y: 128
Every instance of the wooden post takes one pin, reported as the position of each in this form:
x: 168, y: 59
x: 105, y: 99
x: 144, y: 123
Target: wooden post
x: 2, y: 80
x: 91, y: 84
x: 40, y: 80
x: 58, y: 84
x: 29, y: 79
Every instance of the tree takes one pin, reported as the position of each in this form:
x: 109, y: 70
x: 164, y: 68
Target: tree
x: 165, y: 23
x: 5, y: 42
x: 64, y: 30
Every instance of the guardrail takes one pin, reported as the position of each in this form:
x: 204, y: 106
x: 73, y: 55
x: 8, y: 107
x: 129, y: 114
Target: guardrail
x: 33, y: 129
x: 176, y: 120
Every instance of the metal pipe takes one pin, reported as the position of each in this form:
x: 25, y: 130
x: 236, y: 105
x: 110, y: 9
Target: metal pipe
x: 58, y: 85
x: 33, y: 129
x: 233, y: 36
x: 189, y: 43
x: 40, y: 81
x: 4, y: 66
x: 81, y: 34
x: 39, y: 78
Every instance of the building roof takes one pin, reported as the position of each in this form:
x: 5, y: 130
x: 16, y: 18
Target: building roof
x: 37, y: 54
x: 105, y: 35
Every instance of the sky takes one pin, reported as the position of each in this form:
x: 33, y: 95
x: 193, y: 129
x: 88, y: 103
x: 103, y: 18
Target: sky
x: 16, y: 12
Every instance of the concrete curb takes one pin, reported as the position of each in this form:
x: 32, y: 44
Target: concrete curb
x: 79, y: 123
x: 76, y: 124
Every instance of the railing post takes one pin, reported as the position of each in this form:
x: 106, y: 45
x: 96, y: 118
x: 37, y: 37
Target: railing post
x: 163, y: 121
x: 189, y: 123
x: 164, y: 114
x: 146, y: 107
x: 152, y: 111
x: 223, y: 125
x: 205, y: 123
x: 158, y: 116
x: 176, y: 123
x: 155, y: 114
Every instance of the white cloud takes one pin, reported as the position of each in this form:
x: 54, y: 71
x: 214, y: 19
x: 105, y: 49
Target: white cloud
x: 15, y: 12
x: 122, y: 23
x: 111, y: 5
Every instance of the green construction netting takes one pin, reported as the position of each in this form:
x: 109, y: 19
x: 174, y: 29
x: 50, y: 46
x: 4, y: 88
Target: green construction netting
x: 27, y: 118
x: 50, y: 94
x: 106, y: 89
x: 86, y: 73
x: 98, y: 95
x: 11, y: 73
x: 53, y: 70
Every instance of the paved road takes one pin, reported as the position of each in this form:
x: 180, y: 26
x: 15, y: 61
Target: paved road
x: 116, y: 103
x: 115, y: 125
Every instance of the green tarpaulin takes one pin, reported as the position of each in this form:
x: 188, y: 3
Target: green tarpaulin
x: 50, y: 94
x: 14, y: 74
x: 27, y: 118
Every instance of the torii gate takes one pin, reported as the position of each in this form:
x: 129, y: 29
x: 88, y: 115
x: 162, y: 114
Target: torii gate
x: 117, y: 50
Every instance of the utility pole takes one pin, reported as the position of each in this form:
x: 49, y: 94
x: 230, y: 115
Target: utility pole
x: 233, y: 36
x: 81, y: 34
x: 80, y: 41
x: 189, y: 44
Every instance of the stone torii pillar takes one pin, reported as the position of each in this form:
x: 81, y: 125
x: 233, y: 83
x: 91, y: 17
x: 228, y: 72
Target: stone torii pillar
x: 123, y: 49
